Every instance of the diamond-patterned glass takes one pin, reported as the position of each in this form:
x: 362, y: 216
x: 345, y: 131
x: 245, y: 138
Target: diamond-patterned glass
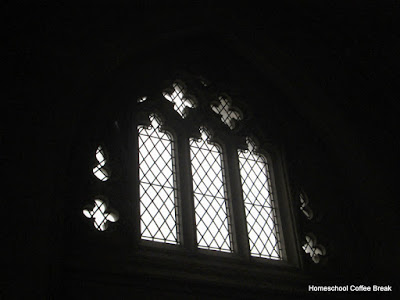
x: 178, y: 98
x: 307, y: 211
x: 315, y: 251
x: 260, y: 215
x: 99, y: 171
x: 158, y: 208
x: 228, y: 116
x: 99, y: 215
x: 210, y: 201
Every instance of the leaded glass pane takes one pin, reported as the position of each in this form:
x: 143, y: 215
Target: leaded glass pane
x: 228, y: 115
x: 158, y: 208
x: 99, y: 215
x: 99, y: 170
x: 307, y: 211
x: 178, y: 98
x: 260, y: 215
x: 210, y: 201
x: 313, y: 249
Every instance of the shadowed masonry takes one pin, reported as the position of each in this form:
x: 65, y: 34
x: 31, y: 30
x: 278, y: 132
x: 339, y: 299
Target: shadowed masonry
x: 351, y: 288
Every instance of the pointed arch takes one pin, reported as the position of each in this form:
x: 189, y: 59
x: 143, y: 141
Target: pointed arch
x: 157, y: 183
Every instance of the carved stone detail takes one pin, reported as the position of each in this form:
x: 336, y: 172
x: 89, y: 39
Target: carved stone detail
x: 229, y: 114
x: 98, y: 212
x: 312, y: 248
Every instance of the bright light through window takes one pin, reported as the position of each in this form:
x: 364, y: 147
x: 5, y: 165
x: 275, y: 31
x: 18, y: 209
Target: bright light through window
x: 228, y: 115
x: 158, y: 209
x: 313, y: 249
x: 99, y: 215
x: 257, y: 195
x: 178, y: 98
x: 99, y: 170
x: 209, y: 195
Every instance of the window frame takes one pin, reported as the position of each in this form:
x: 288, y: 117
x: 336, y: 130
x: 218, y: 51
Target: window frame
x: 228, y: 205
x: 229, y: 142
x: 120, y: 246
x: 162, y: 130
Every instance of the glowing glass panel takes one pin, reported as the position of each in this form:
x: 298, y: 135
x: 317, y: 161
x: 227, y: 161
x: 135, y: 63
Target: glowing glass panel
x: 210, y: 201
x: 141, y: 99
x: 158, y: 209
x: 99, y: 170
x: 178, y: 98
x: 260, y: 214
x: 99, y: 215
x: 313, y: 249
x: 228, y: 115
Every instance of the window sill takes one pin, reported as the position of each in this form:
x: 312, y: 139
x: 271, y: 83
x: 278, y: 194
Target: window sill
x: 173, y: 262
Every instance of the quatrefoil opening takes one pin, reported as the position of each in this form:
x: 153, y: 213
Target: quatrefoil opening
x: 100, y: 215
x: 314, y: 249
x: 182, y: 102
x: 229, y: 114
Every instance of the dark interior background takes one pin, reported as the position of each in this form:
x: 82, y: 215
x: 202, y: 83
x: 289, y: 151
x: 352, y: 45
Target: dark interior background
x: 325, y: 77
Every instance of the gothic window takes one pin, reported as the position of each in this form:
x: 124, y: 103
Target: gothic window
x: 259, y: 203
x: 158, y: 209
x: 197, y: 181
x: 210, y: 199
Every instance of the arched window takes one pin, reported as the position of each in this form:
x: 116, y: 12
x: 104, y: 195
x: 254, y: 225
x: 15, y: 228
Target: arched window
x: 158, y: 208
x: 210, y: 200
x: 262, y: 226
x: 190, y: 175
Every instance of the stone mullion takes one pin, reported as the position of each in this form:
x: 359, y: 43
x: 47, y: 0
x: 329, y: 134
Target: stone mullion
x: 235, y: 196
x: 185, y: 184
x: 133, y: 179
